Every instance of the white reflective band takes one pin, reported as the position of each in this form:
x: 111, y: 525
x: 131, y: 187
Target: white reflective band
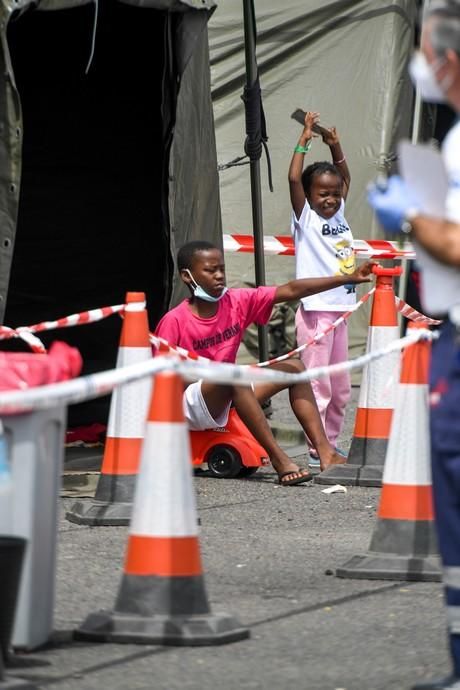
x: 453, y: 619
x: 380, y: 378
x: 135, y: 306
x: 128, y: 410
x: 159, y: 510
x: 451, y: 576
x: 409, y: 438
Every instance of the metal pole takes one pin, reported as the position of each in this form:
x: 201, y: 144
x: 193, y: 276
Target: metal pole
x: 256, y: 192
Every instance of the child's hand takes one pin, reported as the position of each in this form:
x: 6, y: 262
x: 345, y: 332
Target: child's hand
x: 311, y: 118
x: 330, y: 136
x: 363, y: 274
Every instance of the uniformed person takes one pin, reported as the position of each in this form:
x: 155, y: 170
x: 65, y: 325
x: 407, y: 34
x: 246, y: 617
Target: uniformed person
x: 435, y: 70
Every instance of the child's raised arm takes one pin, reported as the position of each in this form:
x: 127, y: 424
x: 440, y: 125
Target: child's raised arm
x: 304, y: 287
x: 296, y: 167
x: 331, y: 138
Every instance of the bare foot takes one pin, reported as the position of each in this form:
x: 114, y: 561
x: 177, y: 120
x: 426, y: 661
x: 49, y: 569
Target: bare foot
x: 332, y: 459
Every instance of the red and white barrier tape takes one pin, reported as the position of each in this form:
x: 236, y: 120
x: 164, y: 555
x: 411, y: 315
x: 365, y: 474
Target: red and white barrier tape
x: 319, y: 336
x: 414, y: 315
x: 164, y: 347
x: 401, y: 306
x: 80, y: 319
x: 92, y: 386
x: 284, y: 245
x: 26, y: 333
x: 84, y: 317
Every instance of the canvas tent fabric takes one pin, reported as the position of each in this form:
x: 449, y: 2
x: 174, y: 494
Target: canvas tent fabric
x: 104, y: 174
x: 106, y: 165
x: 345, y: 59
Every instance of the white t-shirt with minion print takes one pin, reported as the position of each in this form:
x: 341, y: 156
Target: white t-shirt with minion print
x: 324, y: 247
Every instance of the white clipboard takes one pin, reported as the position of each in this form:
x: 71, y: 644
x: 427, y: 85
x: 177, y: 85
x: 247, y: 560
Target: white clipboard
x: 422, y: 168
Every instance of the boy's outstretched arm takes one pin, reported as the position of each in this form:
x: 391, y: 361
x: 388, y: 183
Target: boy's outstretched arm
x: 304, y: 287
x: 331, y: 138
x: 296, y: 168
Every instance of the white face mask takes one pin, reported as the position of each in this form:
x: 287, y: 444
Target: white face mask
x: 423, y: 76
x: 199, y: 292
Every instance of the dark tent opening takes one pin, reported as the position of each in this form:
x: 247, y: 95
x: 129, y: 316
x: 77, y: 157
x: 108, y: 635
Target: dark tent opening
x: 91, y: 211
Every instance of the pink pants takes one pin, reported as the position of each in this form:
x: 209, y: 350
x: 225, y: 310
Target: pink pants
x: 331, y: 393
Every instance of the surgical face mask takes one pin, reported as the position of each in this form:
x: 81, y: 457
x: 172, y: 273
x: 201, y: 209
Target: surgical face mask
x: 199, y: 292
x: 423, y: 76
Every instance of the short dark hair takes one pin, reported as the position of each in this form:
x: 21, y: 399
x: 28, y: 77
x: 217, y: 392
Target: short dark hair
x: 187, y: 252
x: 316, y: 169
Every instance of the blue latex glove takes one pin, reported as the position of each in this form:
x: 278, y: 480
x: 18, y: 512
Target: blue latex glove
x: 392, y: 203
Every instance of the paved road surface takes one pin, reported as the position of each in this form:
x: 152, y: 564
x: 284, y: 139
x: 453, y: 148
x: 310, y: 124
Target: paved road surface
x: 268, y: 555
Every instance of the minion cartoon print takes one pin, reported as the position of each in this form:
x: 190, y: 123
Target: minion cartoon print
x: 346, y: 262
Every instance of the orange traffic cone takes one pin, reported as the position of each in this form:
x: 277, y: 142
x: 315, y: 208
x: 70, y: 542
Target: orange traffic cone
x: 112, y: 503
x: 403, y: 545
x: 365, y: 461
x: 162, y: 597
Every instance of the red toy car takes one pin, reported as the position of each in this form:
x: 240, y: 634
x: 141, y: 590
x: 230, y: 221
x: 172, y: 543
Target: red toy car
x: 230, y: 451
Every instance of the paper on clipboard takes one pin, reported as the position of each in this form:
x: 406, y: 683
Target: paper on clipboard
x: 423, y: 170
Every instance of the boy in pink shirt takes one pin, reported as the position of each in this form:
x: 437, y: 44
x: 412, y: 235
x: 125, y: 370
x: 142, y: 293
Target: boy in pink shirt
x: 212, y: 323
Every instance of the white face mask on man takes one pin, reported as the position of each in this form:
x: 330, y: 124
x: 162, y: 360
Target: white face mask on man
x: 423, y: 76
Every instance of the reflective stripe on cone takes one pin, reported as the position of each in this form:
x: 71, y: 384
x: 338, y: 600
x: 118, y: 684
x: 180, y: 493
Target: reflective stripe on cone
x: 364, y: 466
x: 112, y: 503
x: 403, y: 544
x: 162, y: 597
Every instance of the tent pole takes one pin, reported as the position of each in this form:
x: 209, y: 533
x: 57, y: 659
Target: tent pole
x: 256, y: 191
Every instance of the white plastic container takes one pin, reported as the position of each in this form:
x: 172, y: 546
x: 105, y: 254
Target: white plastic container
x: 35, y: 449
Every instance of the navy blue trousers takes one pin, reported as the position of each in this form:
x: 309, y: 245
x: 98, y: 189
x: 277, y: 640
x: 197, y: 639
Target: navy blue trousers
x: 445, y: 459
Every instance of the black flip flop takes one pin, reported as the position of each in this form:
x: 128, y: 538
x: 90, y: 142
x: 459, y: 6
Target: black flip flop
x: 304, y: 477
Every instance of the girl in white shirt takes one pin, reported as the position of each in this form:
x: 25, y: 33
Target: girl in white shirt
x: 324, y: 247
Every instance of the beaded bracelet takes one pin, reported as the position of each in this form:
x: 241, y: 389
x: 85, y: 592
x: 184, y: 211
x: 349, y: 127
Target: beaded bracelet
x: 342, y: 160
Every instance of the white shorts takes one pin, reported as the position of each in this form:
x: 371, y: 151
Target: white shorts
x: 197, y: 414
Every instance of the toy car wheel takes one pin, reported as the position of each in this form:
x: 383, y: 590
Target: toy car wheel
x: 247, y: 471
x: 224, y: 462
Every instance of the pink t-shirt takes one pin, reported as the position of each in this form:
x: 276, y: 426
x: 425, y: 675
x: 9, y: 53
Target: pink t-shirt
x: 219, y: 337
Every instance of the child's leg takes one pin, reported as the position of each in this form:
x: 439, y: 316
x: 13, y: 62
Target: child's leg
x: 305, y: 409
x: 216, y: 397
x: 340, y: 385
x: 309, y: 324
x: 251, y: 413
x: 206, y: 407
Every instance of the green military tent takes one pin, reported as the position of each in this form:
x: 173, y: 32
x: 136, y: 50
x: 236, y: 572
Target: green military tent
x: 107, y: 158
x: 110, y: 112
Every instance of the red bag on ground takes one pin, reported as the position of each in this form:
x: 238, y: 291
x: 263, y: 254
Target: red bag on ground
x: 21, y: 370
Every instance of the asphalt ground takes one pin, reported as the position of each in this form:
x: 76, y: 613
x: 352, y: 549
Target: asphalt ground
x: 269, y: 556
